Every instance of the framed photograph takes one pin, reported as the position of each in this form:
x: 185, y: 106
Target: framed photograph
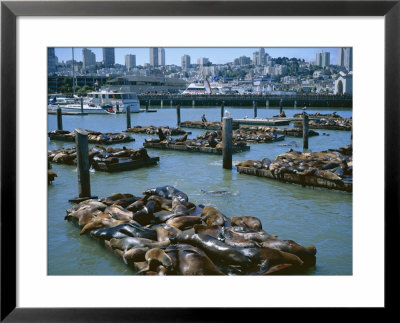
x: 269, y: 74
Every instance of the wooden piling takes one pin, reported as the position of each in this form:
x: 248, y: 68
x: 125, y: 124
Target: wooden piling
x: 267, y: 104
x: 178, y: 115
x: 281, y: 106
x: 149, y: 104
x: 82, y: 152
x: 227, y: 143
x: 82, y: 105
x: 222, y: 110
x: 305, y: 130
x: 128, y: 117
x: 193, y: 103
x: 255, y: 109
x: 59, y: 119
x: 162, y: 104
x: 170, y: 102
x: 295, y: 104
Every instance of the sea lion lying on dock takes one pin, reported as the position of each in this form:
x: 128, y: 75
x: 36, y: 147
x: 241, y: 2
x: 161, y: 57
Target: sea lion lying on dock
x: 167, y: 191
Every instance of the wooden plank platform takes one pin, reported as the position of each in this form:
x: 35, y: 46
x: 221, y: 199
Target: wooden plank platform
x: 198, y: 149
x: 60, y: 137
x: 309, y: 180
x: 205, y: 126
x: 125, y: 164
x: 262, y: 122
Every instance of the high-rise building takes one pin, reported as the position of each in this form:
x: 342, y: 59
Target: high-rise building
x: 108, y: 57
x: 185, y: 62
x: 259, y: 57
x: 88, y: 59
x: 202, y: 61
x: 51, y: 61
x: 323, y: 59
x: 345, y: 57
x: 244, y: 60
x: 130, y: 61
x: 154, y: 56
x: 161, y: 57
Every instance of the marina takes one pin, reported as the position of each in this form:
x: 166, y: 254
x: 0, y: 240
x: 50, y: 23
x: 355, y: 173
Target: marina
x: 199, y: 176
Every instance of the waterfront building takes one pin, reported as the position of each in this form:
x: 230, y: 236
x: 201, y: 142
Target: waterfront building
x: 51, y: 61
x: 344, y: 83
x: 154, y: 56
x: 88, y: 59
x: 108, y: 57
x: 202, y: 61
x: 161, y: 57
x: 130, y: 61
x: 322, y: 59
x: 345, y: 58
x: 185, y: 62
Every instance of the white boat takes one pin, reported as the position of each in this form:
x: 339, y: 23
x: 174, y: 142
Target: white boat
x: 101, y: 102
x: 206, y: 88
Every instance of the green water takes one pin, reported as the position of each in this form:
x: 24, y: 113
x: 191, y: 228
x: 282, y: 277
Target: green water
x: 308, y: 216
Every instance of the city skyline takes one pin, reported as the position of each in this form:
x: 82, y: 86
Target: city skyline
x: 173, y: 55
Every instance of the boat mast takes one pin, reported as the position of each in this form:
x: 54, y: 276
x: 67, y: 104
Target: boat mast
x: 73, y: 72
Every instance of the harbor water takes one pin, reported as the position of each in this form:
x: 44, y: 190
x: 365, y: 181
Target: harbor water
x: 306, y: 215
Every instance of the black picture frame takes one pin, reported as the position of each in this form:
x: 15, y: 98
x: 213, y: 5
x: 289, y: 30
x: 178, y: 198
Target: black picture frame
x: 10, y: 10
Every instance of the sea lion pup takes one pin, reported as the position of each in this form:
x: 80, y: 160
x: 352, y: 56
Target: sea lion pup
x: 219, y: 252
x: 305, y: 254
x: 212, y: 216
x: 184, y: 222
x: 118, y: 212
x: 249, y: 221
x: 145, y: 215
x: 134, y: 255
x: 178, y: 208
x: 135, y: 242
x: 165, y: 231
x: 130, y: 229
x: 168, y: 192
x: 165, y: 204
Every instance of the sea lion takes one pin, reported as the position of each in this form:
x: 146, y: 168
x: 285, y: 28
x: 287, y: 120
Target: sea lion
x: 167, y: 191
x: 219, y: 252
x: 145, y: 215
x: 272, y: 257
x: 164, y: 203
x: 307, y: 255
x: 127, y: 243
x: 134, y: 255
x: 124, y: 202
x: 178, y: 208
x: 92, y: 202
x: 212, y: 216
x: 83, y: 214
x: 249, y: 221
x: 184, y: 222
x: 165, y: 231
x: 136, y: 206
x: 193, y: 261
x: 130, y: 229
x: 118, y: 212
x: 211, y: 230
x: 111, y: 199
x: 51, y: 175
x: 255, y: 236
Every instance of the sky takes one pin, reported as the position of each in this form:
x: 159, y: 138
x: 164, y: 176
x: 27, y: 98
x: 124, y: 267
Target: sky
x: 216, y: 55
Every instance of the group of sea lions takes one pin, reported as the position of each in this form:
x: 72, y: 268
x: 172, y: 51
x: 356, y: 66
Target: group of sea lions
x: 213, y: 125
x: 97, y: 154
x: 335, y: 165
x: 328, y: 123
x: 152, y: 130
x: 294, y: 132
x: 94, y: 137
x: 211, y: 139
x: 162, y: 233
x: 318, y: 115
x: 254, y: 135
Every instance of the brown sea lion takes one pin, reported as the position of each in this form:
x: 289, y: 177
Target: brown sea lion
x: 249, y: 221
x: 193, y: 261
x: 212, y: 216
x: 165, y: 231
x: 118, y: 212
x: 134, y: 255
x: 178, y: 208
x: 83, y: 215
x: 101, y: 222
x: 259, y: 236
x: 92, y: 202
x: 164, y: 203
x: 184, y: 222
x: 111, y: 199
x: 132, y: 242
x: 211, y: 230
x: 272, y: 257
x: 136, y: 206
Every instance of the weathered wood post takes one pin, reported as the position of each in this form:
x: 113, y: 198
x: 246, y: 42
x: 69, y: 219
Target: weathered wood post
x: 162, y: 104
x: 295, y: 103
x: 193, y: 103
x: 149, y: 107
x: 222, y: 110
x: 255, y: 109
x: 305, y: 130
x: 280, y: 106
x: 59, y: 119
x: 81, y: 105
x: 227, y: 143
x: 128, y: 117
x: 82, y: 152
x: 267, y: 104
x: 178, y: 115
x: 170, y: 102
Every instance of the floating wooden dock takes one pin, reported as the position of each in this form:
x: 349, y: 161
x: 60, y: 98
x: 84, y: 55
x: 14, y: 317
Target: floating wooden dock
x: 324, y: 126
x: 205, y: 125
x: 125, y: 164
x: 303, y: 180
x: 262, y: 122
x: 199, y: 149
x: 71, y: 138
